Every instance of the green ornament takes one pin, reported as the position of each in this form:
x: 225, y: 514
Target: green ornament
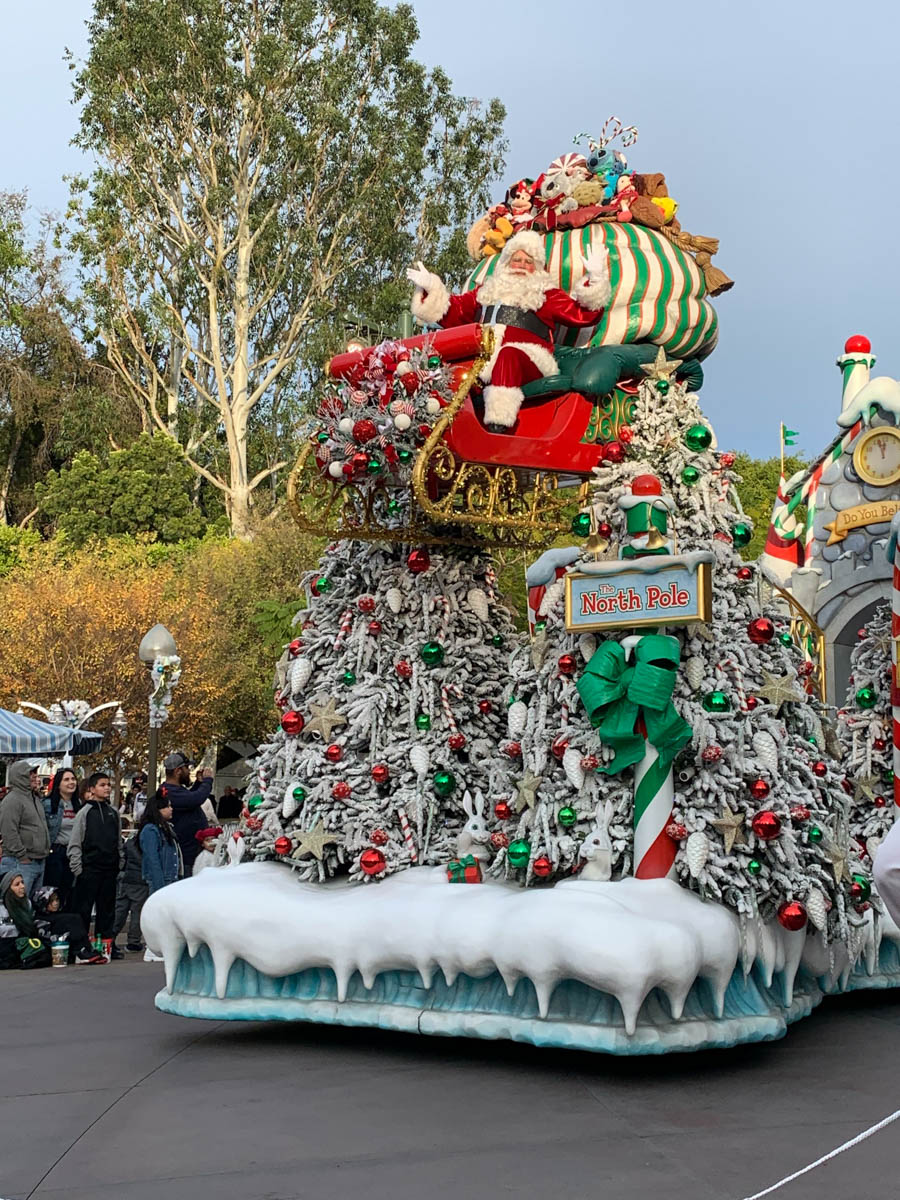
x: 497, y: 641
x: 404, y: 455
x: 662, y: 386
x: 321, y: 438
x: 518, y: 853
x: 581, y: 524
x: 423, y: 721
x: 393, y: 506
x: 865, y: 887
x: 540, y: 626
x: 254, y: 802
x: 434, y: 361
x: 888, y: 777
x: 567, y: 816
x: 754, y: 866
x: 717, y: 702
x: 785, y: 639
x: 432, y: 654
x: 322, y: 585
x: 866, y: 697
x: 698, y: 437
x: 741, y: 534
x: 348, y: 678
x: 444, y: 783
x: 299, y: 794
x: 374, y: 466
x: 690, y: 475
x: 815, y: 834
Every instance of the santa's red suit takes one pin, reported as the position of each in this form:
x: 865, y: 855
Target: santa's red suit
x: 524, y: 310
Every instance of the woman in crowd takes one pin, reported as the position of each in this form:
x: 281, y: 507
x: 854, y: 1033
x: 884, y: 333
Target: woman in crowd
x: 161, y: 855
x: 31, y: 945
x: 61, y: 805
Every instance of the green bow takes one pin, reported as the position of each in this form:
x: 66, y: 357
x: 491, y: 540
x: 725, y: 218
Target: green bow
x: 616, y: 695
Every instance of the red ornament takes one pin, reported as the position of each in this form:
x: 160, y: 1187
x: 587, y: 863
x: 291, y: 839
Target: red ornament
x: 334, y: 753
x: 752, y: 702
x: 374, y: 628
x: 542, y: 866
x: 359, y: 462
x: 792, y: 915
x: 457, y: 741
x: 856, y: 891
x: 403, y: 669
x: 879, y: 744
x: 766, y: 825
x: 364, y: 431
x: 759, y: 789
x: 499, y: 839
x: 512, y: 749
x: 744, y: 574
x: 418, y: 561
x: 760, y: 630
x: 858, y: 344
x: 410, y: 381
x: 366, y: 604
x: 727, y: 459
x: 646, y: 485
x: 626, y: 434
x: 484, y: 707
x: 559, y: 746
x: 341, y: 790
x: 372, y: 862
x: 806, y: 669
x: 253, y: 823
x: 590, y: 762
x: 295, y: 647
x: 799, y: 813
x: 879, y: 802
x: 381, y: 773
x: 604, y: 529
x: 424, y: 431
x: 613, y: 452
x: 820, y: 769
x: 711, y: 754
x: 502, y: 811
x: 847, y: 785
x: 378, y: 837
x: 282, y: 702
x: 676, y: 831
x: 860, y: 633
x: 292, y: 723
x: 566, y: 664
x: 282, y: 845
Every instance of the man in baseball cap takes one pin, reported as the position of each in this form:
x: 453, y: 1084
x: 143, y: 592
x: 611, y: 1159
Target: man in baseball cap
x: 187, y: 801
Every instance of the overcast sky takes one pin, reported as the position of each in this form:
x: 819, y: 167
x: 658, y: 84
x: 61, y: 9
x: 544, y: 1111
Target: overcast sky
x: 776, y: 125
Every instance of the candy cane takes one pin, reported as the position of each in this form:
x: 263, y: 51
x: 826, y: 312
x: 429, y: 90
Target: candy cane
x: 654, y: 802
x: 446, y: 691
x: 739, y: 679
x: 407, y: 834
x: 346, y: 626
x: 444, y: 604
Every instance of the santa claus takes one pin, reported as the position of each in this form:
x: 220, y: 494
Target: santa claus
x: 520, y: 300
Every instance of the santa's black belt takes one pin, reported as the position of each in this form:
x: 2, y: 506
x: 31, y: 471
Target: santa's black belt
x: 509, y: 314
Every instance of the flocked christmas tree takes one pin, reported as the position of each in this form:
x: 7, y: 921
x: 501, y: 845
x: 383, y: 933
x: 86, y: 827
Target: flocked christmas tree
x: 864, y: 727
x: 393, y: 689
x: 758, y: 819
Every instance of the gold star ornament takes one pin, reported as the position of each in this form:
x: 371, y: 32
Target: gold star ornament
x: 314, y: 842
x: 778, y: 689
x: 661, y: 367
x: 324, y: 718
x: 731, y: 827
x: 526, y: 796
x: 867, y: 788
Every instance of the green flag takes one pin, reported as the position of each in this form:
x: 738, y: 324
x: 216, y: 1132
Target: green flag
x: 788, y: 436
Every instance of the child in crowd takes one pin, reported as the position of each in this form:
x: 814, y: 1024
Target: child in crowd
x: 207, y: 839
x: 131, y: 894
x: 160, y: 853
x: 32, y: 948
x: 95, y: 856
x: 48, y: 908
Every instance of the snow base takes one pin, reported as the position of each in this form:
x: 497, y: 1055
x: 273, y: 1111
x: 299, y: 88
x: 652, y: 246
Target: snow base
x: 630, y: 967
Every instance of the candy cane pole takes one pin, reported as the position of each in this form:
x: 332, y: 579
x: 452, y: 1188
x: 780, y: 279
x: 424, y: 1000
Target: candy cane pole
x: 407, y: 834
x: 895, y: 689
x: 346, y: 626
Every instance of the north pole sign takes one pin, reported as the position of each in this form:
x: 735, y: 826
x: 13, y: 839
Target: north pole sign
x: 634, y: 594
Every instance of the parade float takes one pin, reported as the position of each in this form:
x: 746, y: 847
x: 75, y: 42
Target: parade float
x: 624, y: 830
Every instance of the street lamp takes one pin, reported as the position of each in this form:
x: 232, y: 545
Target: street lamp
x: 77, y: 714
x: 155, y: 644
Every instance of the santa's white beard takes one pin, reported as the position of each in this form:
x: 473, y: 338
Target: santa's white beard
x: 523, y: 291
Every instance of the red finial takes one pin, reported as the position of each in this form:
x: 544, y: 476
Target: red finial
x: 858, y: 344
x: 646, y: 485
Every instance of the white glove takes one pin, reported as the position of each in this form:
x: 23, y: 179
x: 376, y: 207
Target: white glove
x: 421, y: 277
x: 596, y: 263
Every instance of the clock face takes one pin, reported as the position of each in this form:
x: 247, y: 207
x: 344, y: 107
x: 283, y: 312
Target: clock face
x: 877, y: 456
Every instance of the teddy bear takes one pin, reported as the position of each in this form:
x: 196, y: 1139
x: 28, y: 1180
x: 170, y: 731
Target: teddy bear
x: 653, y: 206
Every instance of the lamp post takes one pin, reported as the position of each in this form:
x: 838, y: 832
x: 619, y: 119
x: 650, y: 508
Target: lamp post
x: 77, y: 714
x: 156, y: 644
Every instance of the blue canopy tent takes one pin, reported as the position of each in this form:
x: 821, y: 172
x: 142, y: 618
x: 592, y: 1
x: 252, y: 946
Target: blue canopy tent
x: 22, y: 737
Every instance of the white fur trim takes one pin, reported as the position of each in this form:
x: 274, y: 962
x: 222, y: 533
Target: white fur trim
x: 539, y: 355
x: 593, y: 295
x: 430, y: 306
x: 528, y: 240
x: 502, y: 404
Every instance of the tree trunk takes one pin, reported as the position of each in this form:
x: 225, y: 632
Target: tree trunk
x: 6, y: 480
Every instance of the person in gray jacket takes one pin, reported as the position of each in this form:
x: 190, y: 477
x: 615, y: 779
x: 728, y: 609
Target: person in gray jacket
x: 23, y: 826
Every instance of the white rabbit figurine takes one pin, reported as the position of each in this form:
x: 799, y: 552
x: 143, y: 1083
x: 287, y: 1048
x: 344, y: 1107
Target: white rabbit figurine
x: 474, y: 837
x: 596, y: 850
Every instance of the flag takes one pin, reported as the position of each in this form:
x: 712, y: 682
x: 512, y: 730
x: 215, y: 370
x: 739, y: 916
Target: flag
x: 788, y: 436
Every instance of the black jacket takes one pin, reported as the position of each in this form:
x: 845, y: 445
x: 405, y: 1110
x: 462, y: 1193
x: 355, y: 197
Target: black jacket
x: 97, y: 836
x: 188, y: 816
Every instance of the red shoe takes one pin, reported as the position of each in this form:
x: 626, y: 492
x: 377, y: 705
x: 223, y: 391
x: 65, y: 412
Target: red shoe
x: 94, y: 960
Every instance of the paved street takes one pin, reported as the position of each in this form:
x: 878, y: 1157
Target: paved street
x: 104, y: 1097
